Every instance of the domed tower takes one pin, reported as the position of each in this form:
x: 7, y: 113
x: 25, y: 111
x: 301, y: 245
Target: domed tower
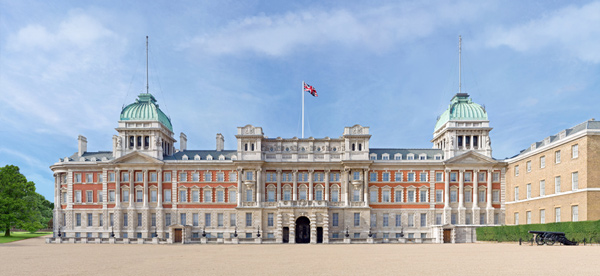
x: 145, y: 128
x: 463, y: 127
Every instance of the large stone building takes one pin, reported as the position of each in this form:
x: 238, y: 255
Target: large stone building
x: 285, y: 189
x: 556, y: 179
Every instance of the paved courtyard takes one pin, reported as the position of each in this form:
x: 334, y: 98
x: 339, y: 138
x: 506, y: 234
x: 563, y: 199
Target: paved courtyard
x: 34, y: 257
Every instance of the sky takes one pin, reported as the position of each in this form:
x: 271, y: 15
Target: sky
x: 69, y: 67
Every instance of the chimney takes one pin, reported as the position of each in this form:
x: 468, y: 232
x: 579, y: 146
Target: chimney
x: 220, y: 142
x: 182, y: 142
x: 81, y: 144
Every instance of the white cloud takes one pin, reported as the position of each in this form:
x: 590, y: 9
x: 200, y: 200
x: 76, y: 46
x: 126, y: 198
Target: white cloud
x: 574, y: 30
x: 375, y: 29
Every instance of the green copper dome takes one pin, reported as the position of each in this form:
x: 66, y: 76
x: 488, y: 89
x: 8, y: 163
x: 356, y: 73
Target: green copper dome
x: 145, y: 108
x: 463, y: 109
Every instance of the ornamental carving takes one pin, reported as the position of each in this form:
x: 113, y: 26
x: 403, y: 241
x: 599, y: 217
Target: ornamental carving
x: 249, y: 130
x: 357, y: 130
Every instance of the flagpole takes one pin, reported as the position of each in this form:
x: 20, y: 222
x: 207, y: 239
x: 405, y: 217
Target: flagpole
x: 302, y: 109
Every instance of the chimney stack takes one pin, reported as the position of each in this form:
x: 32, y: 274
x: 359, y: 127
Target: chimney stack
x: 81, y: 144
x: 182, y: 142
x: 220, y: 142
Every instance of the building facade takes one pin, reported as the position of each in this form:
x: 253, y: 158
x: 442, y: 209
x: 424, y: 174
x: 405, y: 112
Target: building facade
x: 288, y: 190
x: 556, y: 179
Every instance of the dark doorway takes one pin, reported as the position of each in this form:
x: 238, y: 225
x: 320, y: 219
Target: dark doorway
x: 177, y: 235
x: 302, y: 230
x: 447, y: 235
x: 286, y: 234
x: 319, y: 234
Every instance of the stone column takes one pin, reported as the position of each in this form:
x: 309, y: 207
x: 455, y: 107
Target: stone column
x: 346, y: 186
x: 310, y: 184
x: 295, y: 187
x: 366, y: 187
x: 117, y: 188
x: 131, y: 209
x: 292, y: 224
x: 104, y: 199
x: 489, y: 208
x: 313, y: 228
x: 475, y: 197
x: 159, y: 206
x: 447, y: 209
x: 145, y: 203
x: 278, y: 197
x: 471, y: 146
x: 461, y: 197
x: 259, y: 186
x: 239, y: 187
x: 326, y: 186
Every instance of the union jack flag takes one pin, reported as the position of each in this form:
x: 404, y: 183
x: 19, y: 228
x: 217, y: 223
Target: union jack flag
x: 308, y: 88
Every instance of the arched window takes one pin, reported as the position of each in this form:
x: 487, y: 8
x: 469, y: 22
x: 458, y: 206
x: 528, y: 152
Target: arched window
x: 359, y: 147
x: 146, y: 141
x: 139, y: 141
x: 353, y: 147
x: 131, y: 142
x: 252, y: 147
x: 246, y: 147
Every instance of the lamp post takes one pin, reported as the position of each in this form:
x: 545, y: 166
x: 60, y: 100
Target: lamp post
x: 204, y: 231
x: 401, y: 231
x: 112, y: 231
x: 235, y: 232
x: 258, y: 232
x: 155, y: 233
x: 59, y: 231
x: 347, y: 234
x: 370, y: 234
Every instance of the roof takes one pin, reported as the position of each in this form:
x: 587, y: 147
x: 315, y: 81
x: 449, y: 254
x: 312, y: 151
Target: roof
x: 461, y: 108
x: 203, y: 154
x: 589, y: 124
x: 430, y: 153
x: 145, y: 108
x: 91, y: 155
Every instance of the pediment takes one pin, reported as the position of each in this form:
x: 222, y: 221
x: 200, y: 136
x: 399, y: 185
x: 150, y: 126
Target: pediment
x: 471, y: 157
x: 137, y: 158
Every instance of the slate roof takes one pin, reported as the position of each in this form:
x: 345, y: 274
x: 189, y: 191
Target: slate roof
x: 202, y: 153
x: 589, y: 124
x: 429, y: 152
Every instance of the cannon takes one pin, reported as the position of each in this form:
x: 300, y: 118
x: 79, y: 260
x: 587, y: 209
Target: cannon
x: 549, y: 238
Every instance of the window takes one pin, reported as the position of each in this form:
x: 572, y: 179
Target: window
x: 398, y: 176
x: 423, y: 220
x: 335, y: 219
x: 232, y: 220
x: 422, y: 157
x: 182, y: 196
x: 220, y: 220
x: 373, y: 177
x: 516, y: 218
x: 385, y: 196
x: 423, y: 177
x: 167, y: 176
x: 167, y: 195
x: 452, y: 195
x: 195, y: 219
x: 575, y: 181
x: 334, y: 177
x: 77, y: 178
x: 482, y: 218
x: 542, y: 162
x: 557, y: 184
x: 302, y: 195
x: 411, y: 220
x: 220, y: 196
x: 517, y: 170
x: 139, y: 196
x: 452, y: 177
x: 125, y: 220
x: 528, y: 166
x: 542, y: 216
x: 89, y: 196
x: 111, y: 196
x: 319, y: 195
x: 89, y: 178
x: 139, y: 177
x: 195, y: 196
x: 373, y: 196
x: 77, y: 196
x: 574, y: 151
x: 574, y: 213
x: 248, y: 219
x: 77, y: 219
x: 183, y: 177
x: 153, y: 195
x: 195, y: 177
x: 481, y: 177
x: 167, y: 219
x: 249, y: 176
x: 89, y: 220
x: 468, y: 196
x: 125, y: 177
x: 528, y: 191
x: 356, y: 219
x: 481, y: 197
x: 496, y: 177
x: 373, y: 220
x: 220, y: 177
x: 356, y: 195
x: 398, y: 196
x: 100, y: 179
x: 542, y: 187
x: 207, y: 220
x: 63, y: 198
x: 232, y: 195
x: 516, y: 193
x: 397, y: 156
x: 334, y: 195
x: 411, y: 196
x: 468, y: 177
x: 398, y: 220
x: 208, y: 195
x: 453, y: 218
x: 557, y: 214
x: 495, y: 196
x: 385, y: 157
x: 287, y: 195
x: 111, y: 177
x: 423, y: 196
x: 207, y: 177
x: 439, y: 176
x: 100, y: 196
x: 111, y: 217
x: 439, y: 195
x: 356, y: 175
x: 271, y: 195
x: 528, y: 217
x: 232, y: 177
x: 153, y: 177
x: 438, y: 219
x: 139, y: 219
x: 468, y: 218
x: 496, y: 218
x: 557, y: 157
x: 411, y: 177
x: 385, y: 176
x: 410, y: 157
x: 373, y: 157
x: 125, y: 195
x: 386, y: 220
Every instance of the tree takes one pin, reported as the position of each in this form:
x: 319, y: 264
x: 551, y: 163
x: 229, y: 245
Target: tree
x: 18, y: 198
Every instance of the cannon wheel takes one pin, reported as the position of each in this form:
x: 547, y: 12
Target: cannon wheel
x: 539, y: 240
x: 550, y: 240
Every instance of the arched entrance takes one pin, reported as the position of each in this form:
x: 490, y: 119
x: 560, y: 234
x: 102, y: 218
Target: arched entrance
x: 302, y: 230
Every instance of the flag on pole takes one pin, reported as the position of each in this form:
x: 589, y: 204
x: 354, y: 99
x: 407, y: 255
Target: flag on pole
x: 308, y: 88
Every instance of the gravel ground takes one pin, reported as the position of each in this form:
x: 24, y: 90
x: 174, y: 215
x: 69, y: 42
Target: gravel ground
x: 34, y: 257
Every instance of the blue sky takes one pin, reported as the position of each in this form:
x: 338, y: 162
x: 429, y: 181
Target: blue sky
x: 68, y: 67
